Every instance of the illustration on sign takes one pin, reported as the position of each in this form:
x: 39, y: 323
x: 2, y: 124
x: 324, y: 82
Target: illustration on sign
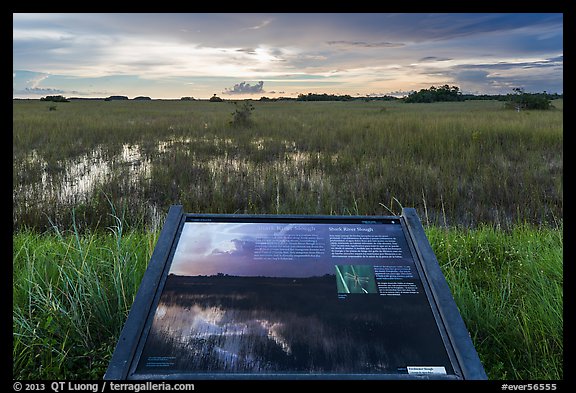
x: 294, y: 298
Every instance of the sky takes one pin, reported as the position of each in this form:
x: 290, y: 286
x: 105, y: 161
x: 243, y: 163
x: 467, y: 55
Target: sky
x: 283, y: 250
x: 230, y: 248
x: 251, y: 55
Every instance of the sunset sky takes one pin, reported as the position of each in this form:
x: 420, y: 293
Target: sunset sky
x: 247, y: 55
x: 269, y: 249
x: 211, y: 248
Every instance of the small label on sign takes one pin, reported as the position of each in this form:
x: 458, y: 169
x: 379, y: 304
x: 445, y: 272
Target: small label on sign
x: 426, y: 370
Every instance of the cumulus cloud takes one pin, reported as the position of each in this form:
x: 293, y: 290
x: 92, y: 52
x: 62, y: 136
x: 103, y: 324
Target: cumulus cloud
x: 338, y: 49
x: 245, y: 88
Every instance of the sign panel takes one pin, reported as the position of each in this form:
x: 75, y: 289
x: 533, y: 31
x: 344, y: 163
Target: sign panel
x: 291, y: 297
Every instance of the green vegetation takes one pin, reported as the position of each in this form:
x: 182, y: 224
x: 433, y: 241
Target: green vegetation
x: 215, y: 98
x: 435, y: 94
x: 470, y: 162
x: 116, y: 98
x: 54, y: 99
x: 486, y: 182
x: 242, y: 115
x: 521, y: 100
x: 508, y: 286
x: 323, y: 97
x: 72, y: 294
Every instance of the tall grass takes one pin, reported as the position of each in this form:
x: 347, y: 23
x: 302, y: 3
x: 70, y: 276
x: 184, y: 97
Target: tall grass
x: 486, y: 182
x: 471, y: 162
x: 509, y: 288
x: 72, y: 294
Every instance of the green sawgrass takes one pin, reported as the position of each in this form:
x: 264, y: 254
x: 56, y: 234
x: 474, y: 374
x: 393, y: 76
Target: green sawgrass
x: 509, y: 288
x: 73, y: 292
x: 487, y: 183
x: 469, y: 162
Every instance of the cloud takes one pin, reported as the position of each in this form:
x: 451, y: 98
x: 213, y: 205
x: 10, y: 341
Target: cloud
x: 261, y: 25
x: 363, y: 44
x: 38, y: 91
x: 250, y: 51
x: 155, y: 49
x: 36, y: 80
x: 245, y: 88
x: 399, y: 93
x: 48, y: 90
x: 434, y: 58
x: 475, y: 76
x: 28, y: 83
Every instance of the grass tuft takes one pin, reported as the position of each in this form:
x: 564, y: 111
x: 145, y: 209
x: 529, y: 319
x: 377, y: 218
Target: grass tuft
x: 508, y: 286
x: 72, y: 295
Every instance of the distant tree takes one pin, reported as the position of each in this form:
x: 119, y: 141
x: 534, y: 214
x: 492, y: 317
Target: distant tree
x: 520, y: 100
x: 187, y: 99
x: 369, y: 98
x: 116, y: 98
x: 215, y: 98
x: 142, y: 98
x: 267, y: 99
x: 323, y: 97
x: 435, y: 94
x: 54, y: 99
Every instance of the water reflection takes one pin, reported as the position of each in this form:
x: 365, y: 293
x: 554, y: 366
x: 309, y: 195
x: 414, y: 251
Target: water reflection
x: 75, y: 180
x: 201, y: 330
x: 265, y: 324
x: 71, y: 181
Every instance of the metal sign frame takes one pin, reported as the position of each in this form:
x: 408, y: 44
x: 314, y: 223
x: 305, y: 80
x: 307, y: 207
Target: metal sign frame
x: 455, y: 336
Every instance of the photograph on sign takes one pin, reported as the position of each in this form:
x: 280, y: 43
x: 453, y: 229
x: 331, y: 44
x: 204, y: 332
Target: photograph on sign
x: 266, y: 297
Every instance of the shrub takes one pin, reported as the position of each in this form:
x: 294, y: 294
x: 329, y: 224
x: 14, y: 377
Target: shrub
x: 520, y: 100
x: 116, y: 98
x: 435, y: 94
x: 242, y: 113
x: 54, y: 99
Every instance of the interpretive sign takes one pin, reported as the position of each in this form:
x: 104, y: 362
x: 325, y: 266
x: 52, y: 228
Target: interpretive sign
x: 293, y: 297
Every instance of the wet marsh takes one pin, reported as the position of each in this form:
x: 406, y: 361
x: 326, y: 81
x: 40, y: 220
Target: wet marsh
x: 93, y: 180
x: 462, y: 164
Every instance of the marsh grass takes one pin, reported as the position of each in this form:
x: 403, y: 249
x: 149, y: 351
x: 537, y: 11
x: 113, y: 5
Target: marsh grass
x: 71, y: 296
x: 508, y: 286
x: 73, y: 292
x: 486, y: 182
x: 470, y: 162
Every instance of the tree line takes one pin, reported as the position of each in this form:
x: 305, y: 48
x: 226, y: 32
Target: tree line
x: 518, y: 99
